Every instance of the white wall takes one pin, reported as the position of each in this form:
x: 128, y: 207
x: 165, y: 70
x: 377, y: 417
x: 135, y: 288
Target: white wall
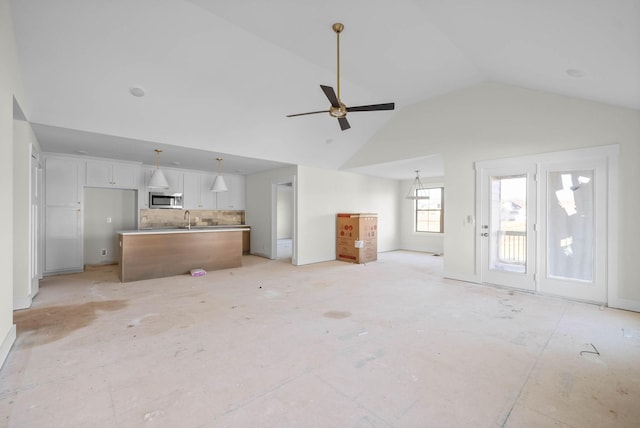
x: 492, y: 121
x: 23, y: 138
x: 409, y: 238
x: 117, y: 204
x: 10, y: 86
x: 321, y: 194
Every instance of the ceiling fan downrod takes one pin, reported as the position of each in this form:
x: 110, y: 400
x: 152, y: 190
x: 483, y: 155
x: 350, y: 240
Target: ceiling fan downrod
x: 338, y: 27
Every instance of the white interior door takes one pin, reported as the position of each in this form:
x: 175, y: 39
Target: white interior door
x: 507, y: 226
x: 574, y: 230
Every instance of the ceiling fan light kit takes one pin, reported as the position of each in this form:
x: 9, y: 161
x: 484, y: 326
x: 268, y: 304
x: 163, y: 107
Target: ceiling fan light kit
x: 338, y: 109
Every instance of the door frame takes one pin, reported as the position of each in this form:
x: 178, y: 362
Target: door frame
x: 610, y: 154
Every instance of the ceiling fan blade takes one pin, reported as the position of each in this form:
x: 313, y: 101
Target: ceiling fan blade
x: 331, y: 94
x: 344, y: 124
x: 373, y: 107
x: 311, y: 112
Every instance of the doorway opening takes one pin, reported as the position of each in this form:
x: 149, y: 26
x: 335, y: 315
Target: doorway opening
x: 284, y: 221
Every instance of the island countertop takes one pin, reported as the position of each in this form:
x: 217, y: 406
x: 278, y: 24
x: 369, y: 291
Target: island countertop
x: 194, y: 229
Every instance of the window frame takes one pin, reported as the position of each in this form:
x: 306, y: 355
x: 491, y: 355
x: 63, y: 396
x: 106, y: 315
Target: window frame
x: 416, y: 210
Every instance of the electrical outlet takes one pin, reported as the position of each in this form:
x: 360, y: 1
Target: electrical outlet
x: 103, y: 252
x: 108, y: 219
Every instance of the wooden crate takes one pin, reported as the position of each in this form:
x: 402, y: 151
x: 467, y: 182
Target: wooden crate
x: 354, y: 227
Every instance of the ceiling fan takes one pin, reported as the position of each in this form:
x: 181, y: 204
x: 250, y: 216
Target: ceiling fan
x: 338, y: 109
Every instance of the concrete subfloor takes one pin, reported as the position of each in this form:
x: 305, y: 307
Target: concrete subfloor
x: 386, y: 344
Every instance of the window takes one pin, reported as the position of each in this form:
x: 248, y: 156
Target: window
x: 430, y: 212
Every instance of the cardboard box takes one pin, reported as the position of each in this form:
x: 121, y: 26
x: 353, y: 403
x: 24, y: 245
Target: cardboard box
x: 357, y: 237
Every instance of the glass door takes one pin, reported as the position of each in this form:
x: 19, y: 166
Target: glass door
x: 574, y: 224
x: 507, y: 227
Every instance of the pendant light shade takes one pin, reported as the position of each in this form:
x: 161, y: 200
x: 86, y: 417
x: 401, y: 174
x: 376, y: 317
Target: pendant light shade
x: 413, y: 193
x: 218, y: 183
x: 158, y: 180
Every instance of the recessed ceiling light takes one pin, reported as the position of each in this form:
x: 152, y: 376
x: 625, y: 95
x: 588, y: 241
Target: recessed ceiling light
x: 574, y: 72
x: 82, y: 152
x: 137, y: 91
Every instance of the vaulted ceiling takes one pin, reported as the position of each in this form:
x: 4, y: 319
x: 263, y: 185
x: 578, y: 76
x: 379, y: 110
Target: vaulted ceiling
x: 219, y: 76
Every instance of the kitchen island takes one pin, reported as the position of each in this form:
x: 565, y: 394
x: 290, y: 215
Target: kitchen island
x: 158, y: 253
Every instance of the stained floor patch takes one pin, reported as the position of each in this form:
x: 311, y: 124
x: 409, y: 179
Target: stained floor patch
x: 337, y: 314
x: 44, y: 325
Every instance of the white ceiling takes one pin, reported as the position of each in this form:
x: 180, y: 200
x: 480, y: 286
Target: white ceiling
x: 221, y: 75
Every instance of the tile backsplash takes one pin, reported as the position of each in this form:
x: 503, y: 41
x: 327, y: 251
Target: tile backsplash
x: 176, y: 218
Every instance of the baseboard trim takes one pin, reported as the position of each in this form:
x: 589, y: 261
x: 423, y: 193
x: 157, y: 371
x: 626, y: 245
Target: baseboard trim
x: 22, y: 302
x: 7, y: 343
x: 626, y: 304
x: 461, y: 277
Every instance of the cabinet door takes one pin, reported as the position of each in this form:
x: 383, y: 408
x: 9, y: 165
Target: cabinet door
x: 64, y: 185
x: 207, y: 197
x: 174, y: 178
x: 234, y: 198
x: 63, y: 181
x: 191, y: 194
x: 223, y: 199
x: 110, y: 174
x: 98, y: 174
x: 144, y: 175
x: 63, y: 239
x: 124, y: 176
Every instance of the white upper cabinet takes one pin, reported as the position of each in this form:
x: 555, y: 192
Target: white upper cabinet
x: 234, y: 198
x: 197, y: 193
x: 143, y: 178
x: 111, y: 174
x: 173, y: 176
x: 63, y: 181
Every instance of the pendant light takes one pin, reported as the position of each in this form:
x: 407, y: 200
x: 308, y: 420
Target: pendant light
x: 158, y: 180
x: 218, y: 183
x: 415, y: 186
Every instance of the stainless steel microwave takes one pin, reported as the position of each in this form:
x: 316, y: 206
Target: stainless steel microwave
x: 162, y: 200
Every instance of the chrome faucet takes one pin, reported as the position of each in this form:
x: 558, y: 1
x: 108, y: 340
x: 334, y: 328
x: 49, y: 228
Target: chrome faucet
x: 187, y: 215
